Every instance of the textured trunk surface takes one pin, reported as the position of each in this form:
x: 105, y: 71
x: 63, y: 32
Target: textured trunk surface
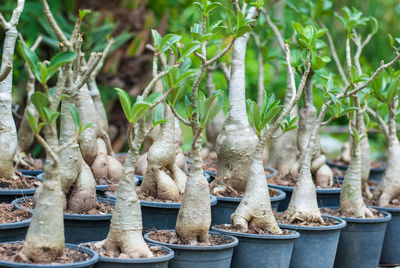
x: 101, y: 111
x: 237, y: 140
x: 194, y: 217
x: 254, y: 211
x: 8, y: 132
x: 162, y: 155
x: 45, y: 238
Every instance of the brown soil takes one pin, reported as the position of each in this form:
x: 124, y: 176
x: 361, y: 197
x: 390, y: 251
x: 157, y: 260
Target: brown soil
x: 211, y: 164
x: 122, y: 158
x: 230, y: 192
x: 290, y: 180
x: 100, y: 209
x: 337, y: 172
x: 22, y: 182
x: 12, y: 253
x: 33, y: 163
x: 9, y: 213
x: 374, y: 164
x: 395, y: 203
x: 143, y: 196
x: 156, y: 250
x: 338, y: 213
x: 252, y: 230
x: 172, y: 238
x: 283, y: 218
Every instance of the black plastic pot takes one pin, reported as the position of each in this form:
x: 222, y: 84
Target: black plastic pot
x: 30, y: 172
x: 391, y: 244
x: 200, y: 256
x: 80, y: 228
x: 273, y: 171
x: 255, y: 251
x: 226, y: 206
x: 84, y: 264
x: 8, y: 196
x: 361, y: 241
x: 160, y: 215
x: 155, y: 262
x: 317, y: 245
x: 326, y: 197
x: 14, y: 231
x: 375, y: 174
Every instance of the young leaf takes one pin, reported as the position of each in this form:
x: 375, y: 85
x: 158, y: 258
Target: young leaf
x: 158, y: 113
x: 75, y: 117
x: 40, y: 100
x: 30, y: 57
x: 139, y: 109
x: 59, y: 60
x: 189, y: 48
x: 167, y: 41
x: 126, y: 102
x: 153, y: 97
x: 210, y: 108
x: 242, y: 30
x: 32, y: 122
x: 156, y: 38
x: 43, y: 70
x: 83, y: 13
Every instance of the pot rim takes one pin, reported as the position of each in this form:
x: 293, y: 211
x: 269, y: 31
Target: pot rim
x: 387, y: 218
x: 344, y: 167
x: 232, y: 244
x: 23, y: 191
x: 270, y: 169
x: 293, y: 235
x: 341, y: 224
x: 335, y: 190
x: 169, y: 256
x: 387, y: 209
x: 68, y: 216
x: 281, y: 195
x: 15, y: 225
x: 93, y: 254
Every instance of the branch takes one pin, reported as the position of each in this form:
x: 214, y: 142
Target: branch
x: 17, y: 13
x: 180, y: 118
x: 328, y: 121
x: 104, y: 135
x: 6, y: 71
x: 197, y: 54
x: 380, y: 120
x: 54, y: 25
x: 163, y: 97
x: 101, y: 63
x: 226, y: 71
x: 37, y: 43
x: 3, y: 23
x: 87, y: 74
x: 348, y: 59
x: 155, y: 79
x: 221, y: 54
x: 334, y: 53
x: 47, y: 148
x: 67, y: 145
x: 130, y: 136
x: 277, y: 137
x: 275, y: 30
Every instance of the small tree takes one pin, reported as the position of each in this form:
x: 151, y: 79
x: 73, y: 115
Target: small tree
x: 8, y: 133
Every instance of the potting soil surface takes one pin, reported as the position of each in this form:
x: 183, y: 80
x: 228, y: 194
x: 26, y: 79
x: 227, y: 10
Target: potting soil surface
x: 21, y: 182
x: 290, y: 180
x: 251, y: 230
x: 284, y: 218
x: 100, y: 209
x: 374, y: 164
x: 33, y: 163
x: 231, y: 192
x: 395, y: 203
x: 9, y: 213
x: 11, y: 253
x: 156, y: 250
x: 338, y: 213
x: 171, y: 237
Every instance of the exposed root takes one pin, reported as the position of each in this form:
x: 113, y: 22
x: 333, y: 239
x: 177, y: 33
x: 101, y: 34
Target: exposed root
x: 100, y: 164
x: 114, y: 169
x: 141, y: 164
x: 385, y: 194
x: 324, y: 177
x: 309, y: 216
x: 129, y: 243
x: 356, y: 211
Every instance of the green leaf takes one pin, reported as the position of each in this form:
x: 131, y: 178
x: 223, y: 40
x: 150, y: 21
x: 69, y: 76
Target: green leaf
x: 241, y: 20
x: 32, y: 122
x: 86, y: 127
x: 43, y: 72
x: 40, y: 100
x: 156, y: 38
x: 83, y: 13
x: 242, y: 30
x: 212, y: 105
x: 126, y: 103
x: 139, y: 109
x: 59, y: 60
x: 321, y: 32
x: 75, y: 117
x: 155, y: 96
x: 211, y: 7
x: 374, y: 25
x: 158, y: 112
x: 167, y: 41
x: 30, y: 57
x: 189, y: 48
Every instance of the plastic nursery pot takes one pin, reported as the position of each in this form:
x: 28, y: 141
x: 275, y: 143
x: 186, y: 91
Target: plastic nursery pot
x: 8, y: 195
x: 219, y: 256
x: 80, y: 228
x: 326, y: 197
x: 375, y: 174
x: 94, y: 257
x: 14, y: 231
x: 272, y: 171
x: 226, y: 206
x: 391, y: 243
x: 361, y: 241
x: 30, y: 172
x: 317, y: 245
x: 161, y: 215
x: 140, y: 178
x: 154, y: 262
x: 255, y: 250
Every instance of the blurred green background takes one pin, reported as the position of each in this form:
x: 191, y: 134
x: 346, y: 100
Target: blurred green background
x: 130, y: 22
